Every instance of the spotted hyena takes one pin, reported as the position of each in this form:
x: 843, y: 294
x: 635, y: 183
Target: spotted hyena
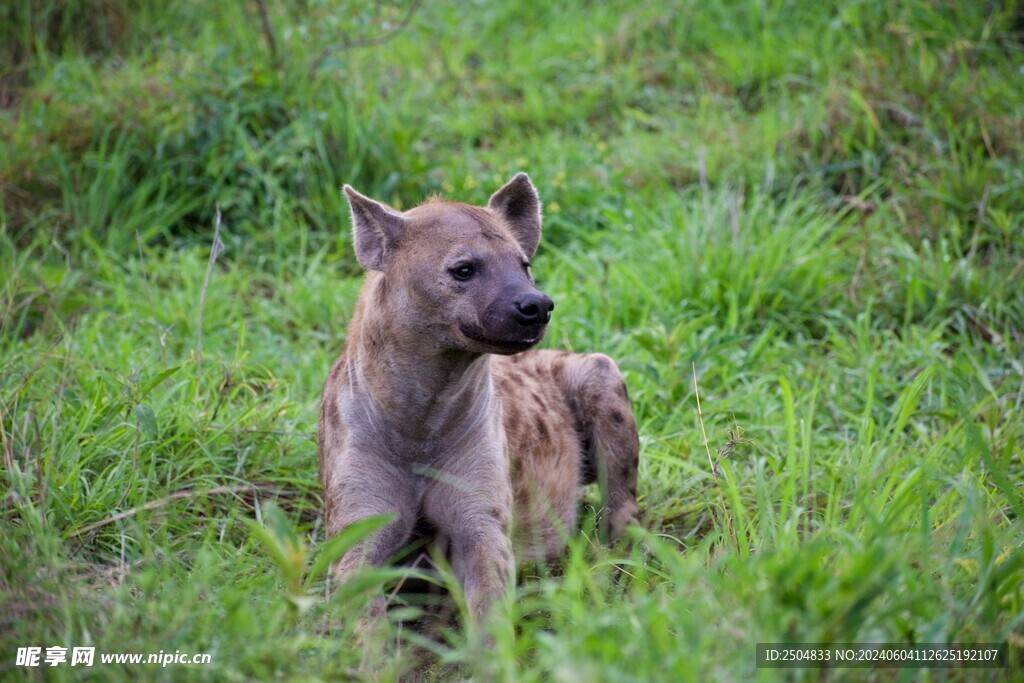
x: 437, y: 412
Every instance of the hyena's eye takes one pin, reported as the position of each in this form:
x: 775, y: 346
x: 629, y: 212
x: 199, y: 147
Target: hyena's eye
x: 462, y: 271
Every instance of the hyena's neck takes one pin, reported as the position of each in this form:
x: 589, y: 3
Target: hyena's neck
x: 417, y: 390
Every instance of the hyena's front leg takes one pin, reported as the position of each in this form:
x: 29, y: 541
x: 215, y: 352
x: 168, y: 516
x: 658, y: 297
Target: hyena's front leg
x: 358, y: 488
x: 472, y: 509
x: 597, y: 396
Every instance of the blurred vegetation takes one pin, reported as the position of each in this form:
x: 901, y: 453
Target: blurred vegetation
x: 820, y: 206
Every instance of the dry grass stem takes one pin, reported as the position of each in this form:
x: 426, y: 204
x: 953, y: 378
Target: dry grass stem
x: 215, y: 250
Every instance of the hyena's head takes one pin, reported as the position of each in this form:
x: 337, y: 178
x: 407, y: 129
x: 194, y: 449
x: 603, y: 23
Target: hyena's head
x: 458, y: 275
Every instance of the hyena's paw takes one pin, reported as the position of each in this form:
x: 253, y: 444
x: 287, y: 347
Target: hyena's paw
x: 615, y: 522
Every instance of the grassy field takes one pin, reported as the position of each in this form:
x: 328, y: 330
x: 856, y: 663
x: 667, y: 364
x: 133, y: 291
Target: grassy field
x: 812, y: 211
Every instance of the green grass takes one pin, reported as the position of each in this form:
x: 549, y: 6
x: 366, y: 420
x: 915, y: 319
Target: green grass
x: 815, y: 208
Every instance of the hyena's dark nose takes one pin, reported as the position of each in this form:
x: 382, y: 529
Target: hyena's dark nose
x: 533, y: 308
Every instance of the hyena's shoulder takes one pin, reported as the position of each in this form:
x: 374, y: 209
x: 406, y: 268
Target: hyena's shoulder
x: 543, y: 372
x: 548, y: 394
x: 534, y: 389
x: 561, y: 374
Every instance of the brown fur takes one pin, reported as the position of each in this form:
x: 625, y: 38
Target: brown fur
x: 435, y: 412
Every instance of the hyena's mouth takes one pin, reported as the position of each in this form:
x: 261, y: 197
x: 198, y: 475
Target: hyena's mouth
x: 503, y: 345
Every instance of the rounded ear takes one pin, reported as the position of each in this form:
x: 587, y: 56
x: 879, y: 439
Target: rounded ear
x: 518, y: 202
x: 375, y: 229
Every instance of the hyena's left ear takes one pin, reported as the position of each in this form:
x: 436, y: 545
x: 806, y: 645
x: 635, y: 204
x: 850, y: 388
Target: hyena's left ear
x: 376, y: 228
x: 519, y: 203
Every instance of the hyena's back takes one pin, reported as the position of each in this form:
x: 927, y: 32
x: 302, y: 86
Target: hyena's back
x: 563, y: 414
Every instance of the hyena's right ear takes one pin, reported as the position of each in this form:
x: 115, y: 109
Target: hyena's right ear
x: 375, y: 229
